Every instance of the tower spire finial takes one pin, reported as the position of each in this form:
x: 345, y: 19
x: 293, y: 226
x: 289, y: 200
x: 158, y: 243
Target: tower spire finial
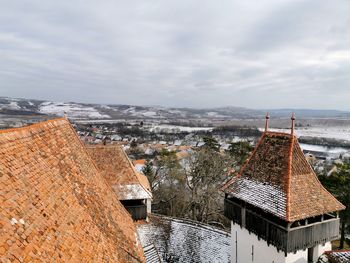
x: 267, y: 120
x: 293, y: 123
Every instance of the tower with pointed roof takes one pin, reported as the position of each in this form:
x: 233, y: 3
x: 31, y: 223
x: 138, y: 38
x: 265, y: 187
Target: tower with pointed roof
x: 279, y: 210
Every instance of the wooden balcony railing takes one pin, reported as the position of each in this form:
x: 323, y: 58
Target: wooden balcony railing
x: 287, y: 239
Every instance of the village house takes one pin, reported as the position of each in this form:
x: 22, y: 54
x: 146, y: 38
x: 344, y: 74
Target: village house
x: 55, y: 204
x: 139, y: 164
x: 279, y: 210
x: 130, y: 186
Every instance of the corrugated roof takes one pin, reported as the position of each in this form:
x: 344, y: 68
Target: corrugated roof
x: 117, y: 168
x: 55, y: 206
x: 278, y: 179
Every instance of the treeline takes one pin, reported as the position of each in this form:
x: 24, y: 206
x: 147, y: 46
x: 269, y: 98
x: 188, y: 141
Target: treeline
x: 236, y: 130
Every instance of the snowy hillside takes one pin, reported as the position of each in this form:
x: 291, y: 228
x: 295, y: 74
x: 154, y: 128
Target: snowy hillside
x: 86, y: 111
x: 74, y: 110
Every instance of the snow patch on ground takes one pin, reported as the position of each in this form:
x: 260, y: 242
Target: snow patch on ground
x: 73, y: 110
x: 149, y: 113
x: 105, y: 107
x: 179, y: 128
x: 13, y: 106
x: 320, y: 148
x: 214, y: 114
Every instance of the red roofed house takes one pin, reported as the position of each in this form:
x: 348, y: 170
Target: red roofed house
x: 131, y: 186
x: 279, y: 210
x: 54, y: 204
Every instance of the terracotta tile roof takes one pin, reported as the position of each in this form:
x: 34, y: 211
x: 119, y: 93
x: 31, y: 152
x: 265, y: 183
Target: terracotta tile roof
x: 184, y: 147
x: 278, y: 179
x: 143, y: 181
x: 55, y: 206
x: 117, y: 169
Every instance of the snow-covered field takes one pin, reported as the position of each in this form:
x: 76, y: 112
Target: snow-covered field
x: 319, y: 148
x: 340, y: 133
x: 72, y: 110
x: 165, y: 127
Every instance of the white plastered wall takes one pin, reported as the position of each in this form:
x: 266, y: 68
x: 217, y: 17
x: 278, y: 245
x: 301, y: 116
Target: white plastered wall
x: 251, y: 249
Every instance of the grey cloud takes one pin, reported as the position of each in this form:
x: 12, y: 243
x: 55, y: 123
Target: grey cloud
x: 260, y: 54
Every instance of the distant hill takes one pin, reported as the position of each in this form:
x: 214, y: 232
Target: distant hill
x: 85, y: 111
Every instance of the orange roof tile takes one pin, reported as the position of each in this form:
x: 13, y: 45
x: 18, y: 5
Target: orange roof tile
x: 184, y: 147
x: 140, y: 161
x: 278, y: 179
x: 143, y: 181
x: 116, y: 167
x: 55, y: 206
x: 181, y: 155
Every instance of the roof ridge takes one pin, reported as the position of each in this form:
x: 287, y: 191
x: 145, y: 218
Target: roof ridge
x: 98, y: 171
x: 27, y: 127
x: 289, y: 178
x: 245, y: 163
x: 279, y: 133
x: 118, y: 147
x: 84, y: 148
x: 134, y: 170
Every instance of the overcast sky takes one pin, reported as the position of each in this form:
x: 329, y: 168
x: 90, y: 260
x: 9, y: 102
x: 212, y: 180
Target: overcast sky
x: 186, y: 53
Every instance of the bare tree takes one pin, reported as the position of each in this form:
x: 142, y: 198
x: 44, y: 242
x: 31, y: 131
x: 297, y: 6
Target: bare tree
x: 205, y: 171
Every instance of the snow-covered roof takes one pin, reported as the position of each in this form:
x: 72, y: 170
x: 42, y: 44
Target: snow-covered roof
x: 116, y: 137
x: 338, y: 256
x: 179, y: 240
x: 265, y: 196
x: 151, y: 254
x: 200, y: 144
x: 177, y: 142
x: 131, y: 192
